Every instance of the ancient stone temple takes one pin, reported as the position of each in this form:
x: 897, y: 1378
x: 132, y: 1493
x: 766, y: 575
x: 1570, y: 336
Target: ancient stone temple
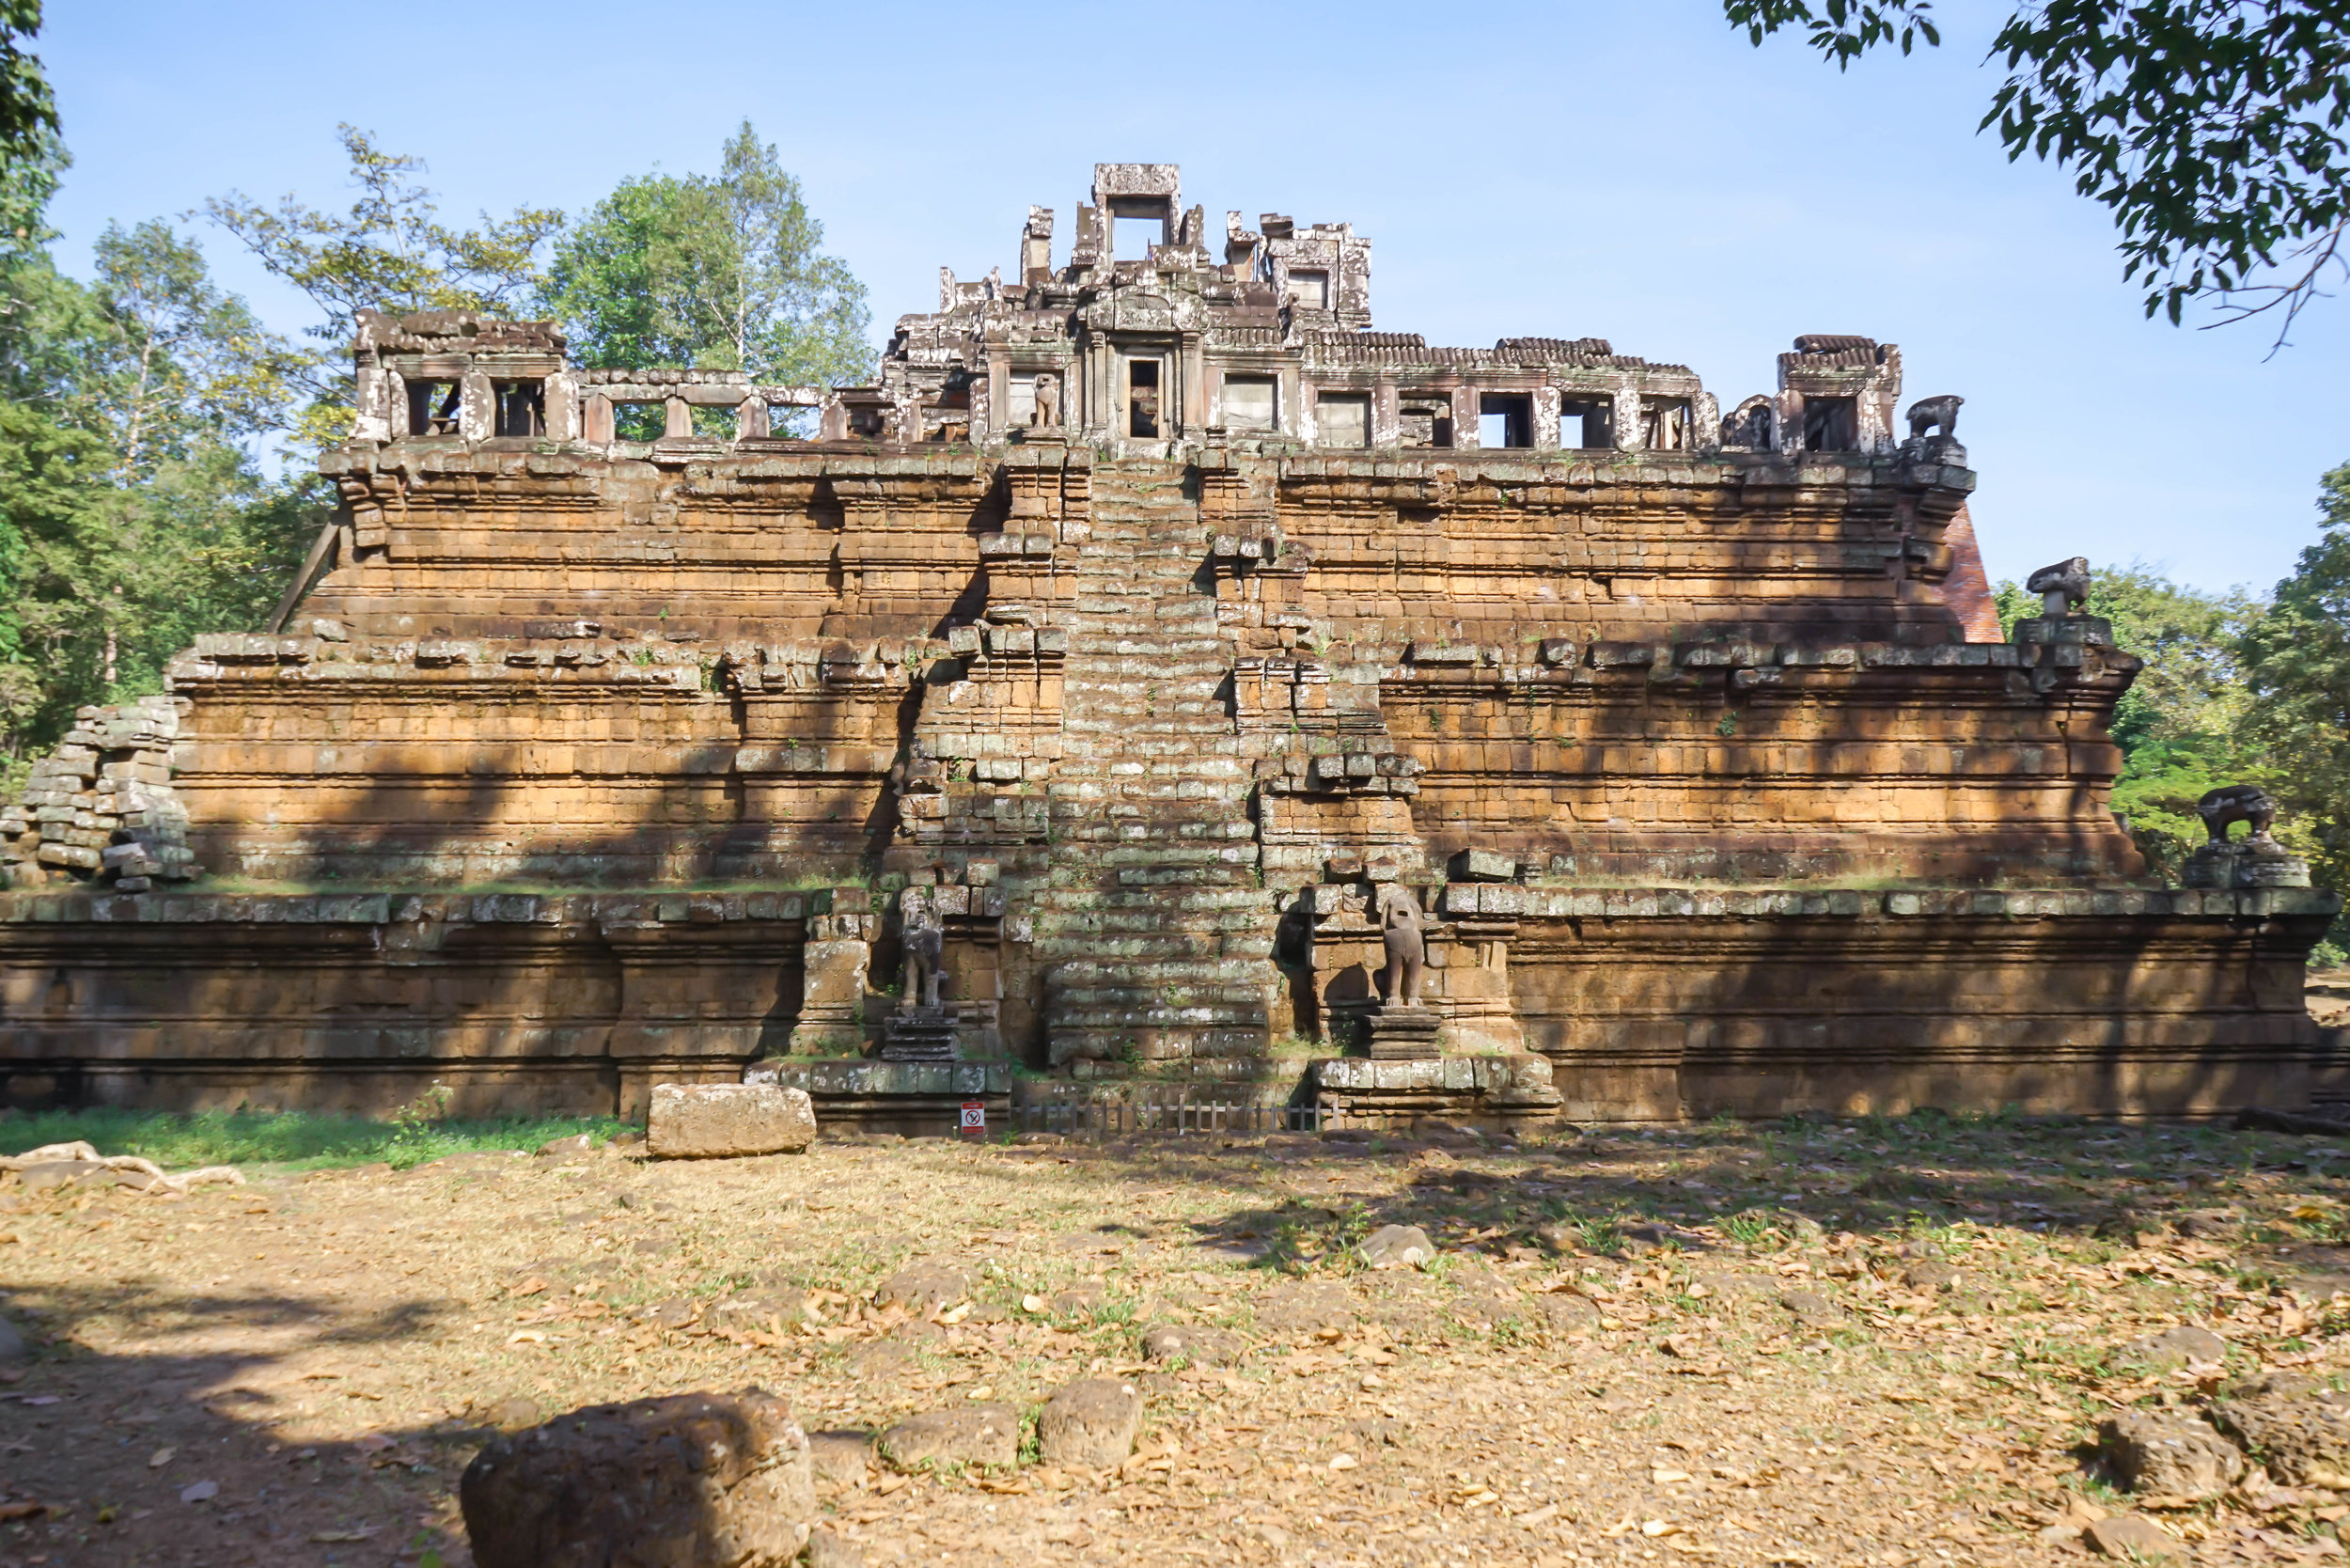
x: 1158, y: 679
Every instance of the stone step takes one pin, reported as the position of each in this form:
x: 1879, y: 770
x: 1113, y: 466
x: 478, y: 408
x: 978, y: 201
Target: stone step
x: 1207, y: 994
x: 1145, y: 1045
x: 1176, y: 947
x: 1083, y: 972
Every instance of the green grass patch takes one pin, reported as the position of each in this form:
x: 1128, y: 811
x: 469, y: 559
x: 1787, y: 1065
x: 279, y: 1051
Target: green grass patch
x: 295, y: 1139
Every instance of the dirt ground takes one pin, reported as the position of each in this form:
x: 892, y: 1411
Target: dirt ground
x: 1790, y: 1343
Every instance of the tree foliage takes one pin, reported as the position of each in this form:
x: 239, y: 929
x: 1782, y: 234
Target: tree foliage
x: 2298, y: 665
x: 389, y: 250
x: 2180, y: 724
x: 2183, y: 723
x: 30, y: 155
x: 131, y: 515
x: 724, y: 272
x: 2212, y: 128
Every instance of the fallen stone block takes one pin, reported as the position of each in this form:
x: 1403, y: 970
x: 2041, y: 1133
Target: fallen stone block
x: 1090, y: 1424
x: 2294, y: 1425
x: 689, y: 1480
x: 692, y: 1121
x: 974, y: 1434
x: 2168, y: 1460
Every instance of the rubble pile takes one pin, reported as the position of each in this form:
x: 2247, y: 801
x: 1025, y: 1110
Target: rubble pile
x: 101, y: 807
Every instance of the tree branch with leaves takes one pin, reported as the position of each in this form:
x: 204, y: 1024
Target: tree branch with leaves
x: 2215, y: 130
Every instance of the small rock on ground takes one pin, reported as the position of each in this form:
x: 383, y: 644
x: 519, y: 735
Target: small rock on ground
x: 1811, y: 1306
x: 840, y: 1456
x: 1090, y: 1424
x: 974, y: 1434
x: 2127, y: 1534
x: 1397, y: 1246
x: 2175, y: 1347
x: 924, y: 1287
x: 1209, y: 1347
x: 1932, y: 1274
x: 827, y: 1549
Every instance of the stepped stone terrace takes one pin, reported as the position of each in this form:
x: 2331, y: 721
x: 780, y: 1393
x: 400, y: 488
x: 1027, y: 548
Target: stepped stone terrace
x: 1157, y: 681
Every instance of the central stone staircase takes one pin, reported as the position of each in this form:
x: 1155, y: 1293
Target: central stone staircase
x: 1155, y: 929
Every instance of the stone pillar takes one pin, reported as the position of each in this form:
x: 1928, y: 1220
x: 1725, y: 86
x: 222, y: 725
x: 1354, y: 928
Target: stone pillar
x: 1465, y: 410
x: 677, y: 420
x: 750, y: 419
x: 595, y: 424
x: 477, y: 407
x: 1705, y: 423
x: 371, y: 415
x: 1546, y: 433
x: 1386, y: 420
x: 562, y: 397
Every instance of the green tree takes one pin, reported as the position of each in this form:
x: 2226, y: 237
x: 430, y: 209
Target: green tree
x: 2181, y: 725
x: 131, y: 516
x: 722, y: 272
x: 2297, y: 661
x: 2212, y: 128
x: 389, y: 251
x: 30, y: 156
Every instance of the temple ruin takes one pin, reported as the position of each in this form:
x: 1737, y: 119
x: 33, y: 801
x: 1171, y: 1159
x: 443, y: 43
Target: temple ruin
x: 1153, y: 658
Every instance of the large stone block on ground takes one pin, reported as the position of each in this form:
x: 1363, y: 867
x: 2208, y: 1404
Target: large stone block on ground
x: 2167, y: 1458
x: 693, y: 1122
x: 985, y: 1433
x: 1091, y: 1423
x: 2297, y: 1427
x: 687, y: 1481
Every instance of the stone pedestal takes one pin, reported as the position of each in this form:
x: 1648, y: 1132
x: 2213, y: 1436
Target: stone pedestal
x: 1400, y: 1034
x: 1495, y: 1091
x: 920, y: 1034
x: 2256, y: 862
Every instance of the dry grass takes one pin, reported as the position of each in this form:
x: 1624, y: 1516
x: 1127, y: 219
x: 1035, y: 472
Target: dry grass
x: 329, y: 1348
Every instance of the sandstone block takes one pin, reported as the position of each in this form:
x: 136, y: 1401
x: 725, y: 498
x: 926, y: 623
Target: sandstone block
x: 717, y: 1120
x: 2294, y: 1426
x: 690, y: 1480
x: 2169, y: 1459
x: 1091, y: 1423
x: 974, y: 1434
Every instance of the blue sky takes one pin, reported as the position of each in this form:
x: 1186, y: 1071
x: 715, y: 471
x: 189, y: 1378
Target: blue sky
x: 1635, y: 172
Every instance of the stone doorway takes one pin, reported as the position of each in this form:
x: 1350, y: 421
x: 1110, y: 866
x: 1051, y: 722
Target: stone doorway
x: 1143, y: 378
